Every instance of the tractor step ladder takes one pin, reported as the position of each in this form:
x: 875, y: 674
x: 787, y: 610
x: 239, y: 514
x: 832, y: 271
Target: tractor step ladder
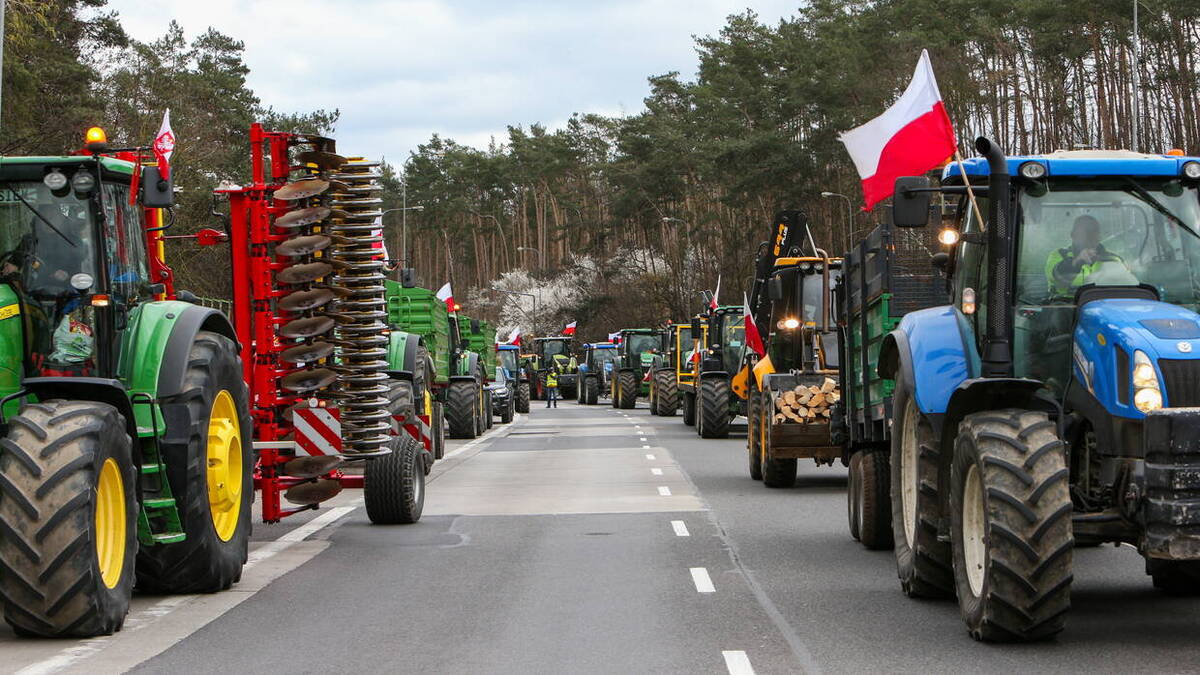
x: 158, y: 519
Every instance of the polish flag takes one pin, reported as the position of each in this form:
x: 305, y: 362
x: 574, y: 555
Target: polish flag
x: 570, y: 329
x: 614, y: 337
x: 712, y: 304
x: 446, y: 295
x: 164, y: 146
x: 908, y: 139
x: 753, y: 338
x: 514, y: 338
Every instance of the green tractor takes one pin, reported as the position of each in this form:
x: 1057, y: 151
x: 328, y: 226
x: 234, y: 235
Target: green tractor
x: 638, y: 350
x: 126, y: 456
x: 550, y: 352
x: 458, y: 374
x: 708, y: 399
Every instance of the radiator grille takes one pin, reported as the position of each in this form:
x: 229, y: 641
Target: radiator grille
x: 1182, y: 381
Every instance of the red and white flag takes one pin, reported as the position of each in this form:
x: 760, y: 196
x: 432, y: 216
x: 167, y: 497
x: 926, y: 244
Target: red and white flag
x: 753, y: 337
x: 164, y: 146
x: 712, y: 304
x: 446, y: 295
x: 614, y: 337
x: 908, y: 139
x: 514, y: 338
x: 570, y: 329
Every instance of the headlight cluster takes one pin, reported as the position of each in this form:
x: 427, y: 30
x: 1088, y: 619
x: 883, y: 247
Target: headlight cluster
x: 790, y: 323
x: 1147, y: 394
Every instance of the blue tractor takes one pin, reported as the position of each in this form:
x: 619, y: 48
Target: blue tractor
x: 1052, y: 403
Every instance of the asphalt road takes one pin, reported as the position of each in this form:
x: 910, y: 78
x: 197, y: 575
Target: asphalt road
x: 586, y: 539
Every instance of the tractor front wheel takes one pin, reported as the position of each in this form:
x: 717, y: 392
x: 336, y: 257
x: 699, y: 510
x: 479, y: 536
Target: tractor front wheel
x: 68, y: 511
x: 668, y: 392
x: 462, y: 402
x: 689, y: 408
x: 207, y: 452
x: 627, y: 389
x: 714, y: 408
x: 1010, y: 511
x: 591, y: 390
x: 754, y: 434
x: 521, y: 397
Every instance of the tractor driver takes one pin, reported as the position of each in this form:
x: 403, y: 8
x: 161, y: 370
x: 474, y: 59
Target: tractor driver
x: 1069, y: 268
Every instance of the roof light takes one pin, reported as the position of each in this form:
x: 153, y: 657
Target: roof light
x: 1175, y: 152
x: 1191, y: 169
x: 948, y: 236
x: 83, y: 181
x: 95, y: 135
x: 55, y: 180
x: 1033, y: 170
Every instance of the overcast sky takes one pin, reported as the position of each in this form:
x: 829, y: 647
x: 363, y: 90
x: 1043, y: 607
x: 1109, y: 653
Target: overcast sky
x: 402, y: 70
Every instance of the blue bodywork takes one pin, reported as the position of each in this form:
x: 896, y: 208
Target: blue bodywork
x: 1162, y: 166
x: 936, y: 338
x: 606, y: 345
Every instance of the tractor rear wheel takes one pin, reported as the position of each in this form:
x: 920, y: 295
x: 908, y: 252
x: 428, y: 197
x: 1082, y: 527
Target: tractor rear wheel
x: 627, y: 387
x: 1010, y: 514
x: 68, y: 511
x: 437, y: 422
x: 521, y: 397
x: 591, y: 390
x: 870, y: 506
x: 462, y: 402
x: 668, y: 392
x: 394, y: 485
x: 689, y: 408
x: 210, y: 466
x: 923, y: 562
x: 754, y: 435
x: 714, y: 407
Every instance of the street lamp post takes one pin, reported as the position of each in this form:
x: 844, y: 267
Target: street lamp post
x: 404, y: 226
x: 1137, y: 77
x: 849, y: 214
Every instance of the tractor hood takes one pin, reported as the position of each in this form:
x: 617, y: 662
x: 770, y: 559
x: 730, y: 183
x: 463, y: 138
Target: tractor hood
x: 1168, y: 334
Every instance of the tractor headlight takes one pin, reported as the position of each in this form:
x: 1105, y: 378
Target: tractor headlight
x: 1033, y: 170
x: 55, y: 180
x: 1147, y: 394
x: 789, y: 323
x: 1191, y: 169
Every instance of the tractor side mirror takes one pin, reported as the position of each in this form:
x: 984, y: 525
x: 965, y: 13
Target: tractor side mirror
x: 697, y: 331
x: 475, y: 327
x: 775, y: 289
x: 910, y: 208
x: 157, y: 192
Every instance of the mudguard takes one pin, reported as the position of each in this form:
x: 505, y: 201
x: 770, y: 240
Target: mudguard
x: 402, y: 354
x: 468, y: 363
x: 936, y: 339
x: 105, y: 390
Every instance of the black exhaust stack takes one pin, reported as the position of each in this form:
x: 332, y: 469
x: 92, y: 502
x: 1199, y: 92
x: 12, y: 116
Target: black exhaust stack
x: 997, y: 344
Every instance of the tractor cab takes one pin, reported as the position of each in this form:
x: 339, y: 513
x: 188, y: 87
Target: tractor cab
x: 799, y: 331
x: 72, y: 259
x: 726, y: 331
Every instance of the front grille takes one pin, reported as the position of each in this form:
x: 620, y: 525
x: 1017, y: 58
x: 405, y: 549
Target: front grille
x: 1181, y: 377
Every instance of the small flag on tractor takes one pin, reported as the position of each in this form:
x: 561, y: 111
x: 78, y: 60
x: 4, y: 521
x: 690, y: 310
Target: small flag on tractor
x: 570, y: 329
x: 753, y: 337
x: 614, y: 337
x: 713, y: 304
x: 908, y: 139
x: 446, y: 295
x: 164, y: 146
x: 514, y: 338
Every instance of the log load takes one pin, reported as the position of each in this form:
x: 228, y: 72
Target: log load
x: 806, y: 404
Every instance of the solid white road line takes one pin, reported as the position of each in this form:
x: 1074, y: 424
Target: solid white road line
x: 738, y: 663
x: 680, y: 528
x: 664, y: 490
x: 645, y: 447
x: 703, y: 583
x: 656, y: 471
x: 649, y: 456
x: 642, y: 439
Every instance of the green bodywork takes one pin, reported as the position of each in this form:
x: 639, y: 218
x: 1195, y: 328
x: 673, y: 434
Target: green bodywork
x: 419, y: 311
x: 643, y: 359
x: 482, y: 343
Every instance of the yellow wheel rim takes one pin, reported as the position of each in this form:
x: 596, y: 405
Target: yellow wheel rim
x: 224, y: 466
x: 110, y: 523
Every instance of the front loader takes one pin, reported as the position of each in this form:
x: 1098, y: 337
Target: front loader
x: 792, y: 389
x: 126, y: 453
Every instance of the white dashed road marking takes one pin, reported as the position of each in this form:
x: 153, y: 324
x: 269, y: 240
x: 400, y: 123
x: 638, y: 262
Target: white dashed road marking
x: 680, y: 528
x: 664, y: 490
x: 703, y: 583
x: 738, y: 663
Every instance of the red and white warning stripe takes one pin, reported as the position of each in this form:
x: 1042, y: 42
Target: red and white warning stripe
x: 420, y: 431
x: 318, y: 430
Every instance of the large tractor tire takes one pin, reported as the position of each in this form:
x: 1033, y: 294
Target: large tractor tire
x: 207, y: 449
x: 668, y: 392
x: 462, y: 403
x: 689, y: 408
x: 868, y: 503
x: 506, y: 415
x: 68, y: 515
x: 394, y: 485
x: 591, y: 390
x: 627, y: 389
x: 714, y: 408
x: 1011, y: 526
x: 521, y: 397
x: 754, y: 435
x: 923, y: 562
x: 580, y: 391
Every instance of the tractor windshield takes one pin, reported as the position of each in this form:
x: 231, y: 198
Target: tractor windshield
x: 733, y: 338
x: 1117, y: 231
x: 603, y: 356
x: 640, y: 343
x: 508, y: 360
x: 552, y: 348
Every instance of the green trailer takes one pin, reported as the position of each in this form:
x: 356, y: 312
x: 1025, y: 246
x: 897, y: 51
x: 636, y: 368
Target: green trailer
x: 125, y: 454
x: 458, y: 373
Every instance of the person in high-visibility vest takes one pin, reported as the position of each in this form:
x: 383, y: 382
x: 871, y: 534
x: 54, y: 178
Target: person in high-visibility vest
x: 552, y: 387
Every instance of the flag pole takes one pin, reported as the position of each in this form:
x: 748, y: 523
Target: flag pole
x: 970, y: 193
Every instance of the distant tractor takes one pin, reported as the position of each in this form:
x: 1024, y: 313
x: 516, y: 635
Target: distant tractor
x: 509, y: 357
x: 708, y: 399
x: 637, y: 351
x: 1053, y: 402
x: 556, y: 352
x: 596, y: 371
x: 792, y: 390
x: 126, y: 455
x: 679, y: 351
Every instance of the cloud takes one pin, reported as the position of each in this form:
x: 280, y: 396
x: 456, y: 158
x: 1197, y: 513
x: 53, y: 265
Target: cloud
x: 401, y: 70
